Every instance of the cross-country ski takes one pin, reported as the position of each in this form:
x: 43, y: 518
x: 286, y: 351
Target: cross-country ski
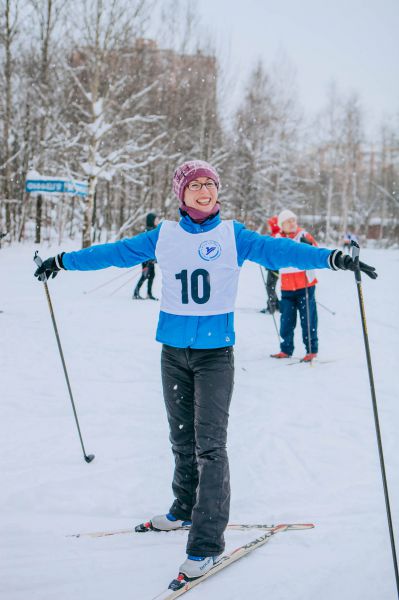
x: 145, y: 528
x: 182, y: 584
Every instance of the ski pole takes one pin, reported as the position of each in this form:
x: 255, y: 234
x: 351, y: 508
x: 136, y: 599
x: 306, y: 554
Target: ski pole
x: 276, y: 328
x: 325, y: 307
x: 358, y: 278
x: 274, y: 318
x: 88, y: 457
x: 123, y: 285
x: 111, y: 280
x: 308, y: 318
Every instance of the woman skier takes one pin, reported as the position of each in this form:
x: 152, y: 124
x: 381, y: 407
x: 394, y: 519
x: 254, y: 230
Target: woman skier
x: 200, y: 257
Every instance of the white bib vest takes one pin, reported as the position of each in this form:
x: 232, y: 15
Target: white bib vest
x: 199, y: 270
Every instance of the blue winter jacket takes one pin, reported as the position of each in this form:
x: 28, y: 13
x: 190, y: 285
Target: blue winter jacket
x: 206, y: 331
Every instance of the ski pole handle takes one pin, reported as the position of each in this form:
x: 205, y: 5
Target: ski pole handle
x: 355, y: 256
x: 37, y: 259
x: 39, y: 263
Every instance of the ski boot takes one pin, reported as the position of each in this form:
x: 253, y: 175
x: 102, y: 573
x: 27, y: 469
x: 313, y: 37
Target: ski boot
x: 163, y: 523
x: 309, y: 357
x: 193, y: 568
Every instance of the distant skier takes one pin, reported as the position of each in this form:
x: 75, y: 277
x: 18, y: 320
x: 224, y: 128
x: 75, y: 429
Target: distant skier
x: 273, y: 302
x: 200, y: 258
x: 297, y: 294
x: 148, y: 271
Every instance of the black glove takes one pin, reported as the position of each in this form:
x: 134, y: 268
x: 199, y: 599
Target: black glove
x: 50, y: 267
x: 338, y: 260
x: 305, y: 240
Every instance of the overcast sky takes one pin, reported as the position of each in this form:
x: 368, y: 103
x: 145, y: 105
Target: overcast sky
x: 354, y: 42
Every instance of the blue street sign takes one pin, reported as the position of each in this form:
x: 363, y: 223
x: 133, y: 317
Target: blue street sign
x: 49, y: 185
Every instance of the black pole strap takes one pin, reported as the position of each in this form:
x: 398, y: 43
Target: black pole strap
x: 358, y: 277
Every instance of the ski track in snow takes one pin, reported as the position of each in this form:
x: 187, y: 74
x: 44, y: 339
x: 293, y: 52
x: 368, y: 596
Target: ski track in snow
x: 301, y: 443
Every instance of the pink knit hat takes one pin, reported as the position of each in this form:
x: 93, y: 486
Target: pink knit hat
x: 191, y: 170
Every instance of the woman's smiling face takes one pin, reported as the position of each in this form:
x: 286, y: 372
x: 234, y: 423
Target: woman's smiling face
x: 201, y: 193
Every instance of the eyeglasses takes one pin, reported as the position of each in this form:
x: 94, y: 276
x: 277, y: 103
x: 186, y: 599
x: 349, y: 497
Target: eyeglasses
x: 195, y: 186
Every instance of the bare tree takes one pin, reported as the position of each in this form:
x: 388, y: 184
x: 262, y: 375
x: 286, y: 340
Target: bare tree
x: 110, y: 128
x: 264, y: 178
x: 46, y: 15
x: 8, y: 33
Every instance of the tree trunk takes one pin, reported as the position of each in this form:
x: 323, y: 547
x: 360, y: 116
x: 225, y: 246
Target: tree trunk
x: 21, y: 232
x: 46, y: 15
x: 88, y: 213
x: 328, y: 208
x: 8, y: 36
x: 122, y: 199
x: 38, y: 228
x: 93, y: 218
x: 71, y: 232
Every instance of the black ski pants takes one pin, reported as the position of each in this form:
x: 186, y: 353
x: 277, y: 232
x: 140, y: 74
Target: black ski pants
x: 148, y: 273
x: 197, y: 386
x: 273, y: 303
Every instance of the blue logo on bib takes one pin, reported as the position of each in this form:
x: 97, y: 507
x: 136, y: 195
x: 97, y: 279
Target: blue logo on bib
x: 210, y: 250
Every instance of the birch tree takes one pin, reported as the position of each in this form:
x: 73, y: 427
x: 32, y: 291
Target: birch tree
x: 108, y: 118
x: 44, y: 88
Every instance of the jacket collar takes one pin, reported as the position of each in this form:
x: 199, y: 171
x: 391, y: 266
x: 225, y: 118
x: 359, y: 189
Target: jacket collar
x: 291, y: 235
x: 191, y: 227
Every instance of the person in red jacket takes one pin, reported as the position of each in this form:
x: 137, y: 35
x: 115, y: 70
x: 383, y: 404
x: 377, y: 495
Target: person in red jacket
x: 297, y: 295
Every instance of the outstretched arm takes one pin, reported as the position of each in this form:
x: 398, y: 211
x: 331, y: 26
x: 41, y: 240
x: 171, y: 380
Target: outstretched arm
x: 275, y: 253
x: 125, y: 253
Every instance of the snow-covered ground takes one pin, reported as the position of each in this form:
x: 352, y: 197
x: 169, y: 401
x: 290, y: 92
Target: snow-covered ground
x: 302, y: 444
